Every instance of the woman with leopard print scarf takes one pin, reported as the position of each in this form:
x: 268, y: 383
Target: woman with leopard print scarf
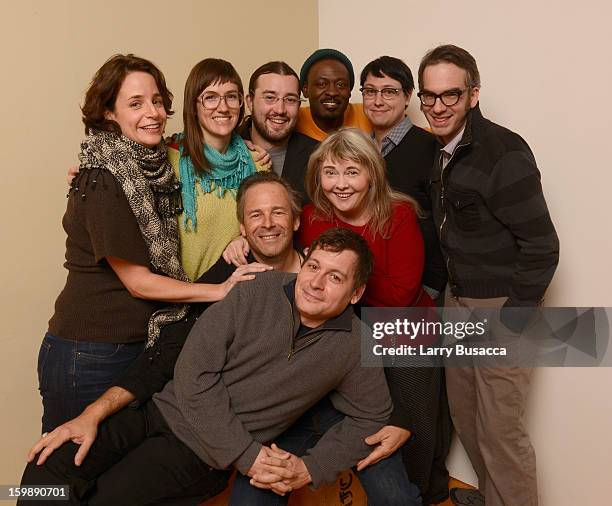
x: 122, y: 249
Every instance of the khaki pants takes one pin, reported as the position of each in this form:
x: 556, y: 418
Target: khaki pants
x: 487, y: 406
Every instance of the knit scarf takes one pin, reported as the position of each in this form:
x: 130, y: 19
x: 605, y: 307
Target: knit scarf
x: 227, y: 170
x: 146, y: 177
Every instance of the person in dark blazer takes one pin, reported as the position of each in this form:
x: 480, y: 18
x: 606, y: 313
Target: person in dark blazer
x: 274, y: 101
x: 387, y: 86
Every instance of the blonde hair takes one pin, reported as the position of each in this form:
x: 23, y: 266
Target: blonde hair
x: 352, y: 144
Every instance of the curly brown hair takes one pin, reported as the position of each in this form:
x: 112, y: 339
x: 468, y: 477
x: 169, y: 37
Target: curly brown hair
x: 105, y: 85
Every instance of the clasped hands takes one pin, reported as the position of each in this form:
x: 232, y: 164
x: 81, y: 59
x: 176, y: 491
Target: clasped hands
x: 282, y: 472
x: 278, y: 470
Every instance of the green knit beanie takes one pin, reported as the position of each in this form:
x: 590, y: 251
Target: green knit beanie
x: 326, y: 54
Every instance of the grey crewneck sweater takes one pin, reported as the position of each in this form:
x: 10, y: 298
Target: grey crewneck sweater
x: 241, y: 380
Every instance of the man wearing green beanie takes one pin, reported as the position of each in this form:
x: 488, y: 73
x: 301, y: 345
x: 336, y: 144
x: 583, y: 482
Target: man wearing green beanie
x: 327, y: 78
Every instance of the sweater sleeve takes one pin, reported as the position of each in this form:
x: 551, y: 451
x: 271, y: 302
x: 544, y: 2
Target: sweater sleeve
x: 110, y: 222
x: 363, y: 396
x: 516, y: 199
x: 396, y: 281
x: 155, y: 366
x: 201, y: 395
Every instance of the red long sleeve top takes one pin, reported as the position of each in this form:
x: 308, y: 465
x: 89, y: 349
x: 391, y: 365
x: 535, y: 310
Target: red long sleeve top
x: 398, y: 259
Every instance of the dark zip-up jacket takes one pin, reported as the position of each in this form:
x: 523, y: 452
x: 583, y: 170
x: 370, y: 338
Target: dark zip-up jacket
x: 493, y: 223
x: 243, y: 378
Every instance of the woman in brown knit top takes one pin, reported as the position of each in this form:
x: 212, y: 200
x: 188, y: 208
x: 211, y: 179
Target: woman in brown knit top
x: 122, y: 244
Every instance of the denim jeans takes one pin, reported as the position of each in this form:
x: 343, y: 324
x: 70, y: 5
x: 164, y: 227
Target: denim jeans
x: 385, y: 483
x: 73, y: 374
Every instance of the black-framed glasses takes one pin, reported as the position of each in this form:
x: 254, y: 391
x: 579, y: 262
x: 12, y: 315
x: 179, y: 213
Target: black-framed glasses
x: 386, y: 93
x: 289, y: 100
x: 232, y: 99
x: 448, y: 98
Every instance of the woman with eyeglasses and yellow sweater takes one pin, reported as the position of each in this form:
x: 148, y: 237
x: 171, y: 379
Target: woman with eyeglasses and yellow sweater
x: 211, y: 160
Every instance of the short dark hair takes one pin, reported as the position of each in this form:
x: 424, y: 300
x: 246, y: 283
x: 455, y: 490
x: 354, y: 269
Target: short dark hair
x: 266, y: 177
x: 391, y: 67
x: 272, y: 67
x: 455, y: 55
x: 105, y: 85
x: 205, y: 73
x: 339, y: 239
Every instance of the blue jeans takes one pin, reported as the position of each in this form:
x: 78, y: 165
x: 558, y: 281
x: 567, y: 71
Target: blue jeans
x: 73, y: 374
x: 385, y: 483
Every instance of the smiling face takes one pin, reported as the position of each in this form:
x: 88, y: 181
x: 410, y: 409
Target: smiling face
x: 274, y: 122
x: 139, y: 110
x: 447, y: 121
x: 325, y: 286
x: 385, y: 113
x: 218, y: 124
x: 268, y: 221
x: 346, y: 183
x: 328, y: 90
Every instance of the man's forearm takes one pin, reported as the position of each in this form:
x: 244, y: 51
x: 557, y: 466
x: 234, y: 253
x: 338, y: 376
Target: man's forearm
x: 111, y: 401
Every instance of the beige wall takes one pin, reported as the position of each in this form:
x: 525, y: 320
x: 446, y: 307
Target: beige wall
x: 545, y: 69
x: 50, y: 51
x: 538, y: 62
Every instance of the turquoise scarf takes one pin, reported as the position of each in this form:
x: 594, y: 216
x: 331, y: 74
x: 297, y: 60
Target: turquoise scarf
x: 227, y: 170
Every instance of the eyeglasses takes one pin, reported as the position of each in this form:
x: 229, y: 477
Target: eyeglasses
x: 289, y: 100
x: 385, y: 93
x: 212, y: 100
x: 448, y: 98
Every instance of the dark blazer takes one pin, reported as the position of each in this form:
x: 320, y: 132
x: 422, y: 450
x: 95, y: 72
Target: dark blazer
x: 409, y: 169
x: 299, y: 149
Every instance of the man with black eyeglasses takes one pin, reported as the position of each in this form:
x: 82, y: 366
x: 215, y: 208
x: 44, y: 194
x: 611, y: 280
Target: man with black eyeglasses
x: 386, y: 86
x: 501, y: 250
x: 274, y: 101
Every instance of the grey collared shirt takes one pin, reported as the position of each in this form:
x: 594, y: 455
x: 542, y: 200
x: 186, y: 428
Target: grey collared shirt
x: 394, y: 136
x: 448, y: 150
x: 278, y: 158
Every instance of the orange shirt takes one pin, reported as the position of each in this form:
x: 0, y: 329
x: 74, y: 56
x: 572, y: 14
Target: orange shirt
x: 353, y: 117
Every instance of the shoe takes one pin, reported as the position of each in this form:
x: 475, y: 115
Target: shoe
x: 466, y: 497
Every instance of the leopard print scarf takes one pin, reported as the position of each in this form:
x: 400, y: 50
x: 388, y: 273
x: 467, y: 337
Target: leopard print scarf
x: 153, y: 193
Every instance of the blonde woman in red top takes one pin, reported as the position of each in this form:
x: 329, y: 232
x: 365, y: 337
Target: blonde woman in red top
x: 346, y: 182
x: 347, y: 185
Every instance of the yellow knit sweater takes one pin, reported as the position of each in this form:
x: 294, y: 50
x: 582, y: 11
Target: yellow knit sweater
x: 217, y: 226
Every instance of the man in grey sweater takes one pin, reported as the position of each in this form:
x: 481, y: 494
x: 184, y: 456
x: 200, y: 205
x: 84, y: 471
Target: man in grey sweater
x: 250, y: 367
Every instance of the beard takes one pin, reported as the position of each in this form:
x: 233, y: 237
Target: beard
x: 269, y: 135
